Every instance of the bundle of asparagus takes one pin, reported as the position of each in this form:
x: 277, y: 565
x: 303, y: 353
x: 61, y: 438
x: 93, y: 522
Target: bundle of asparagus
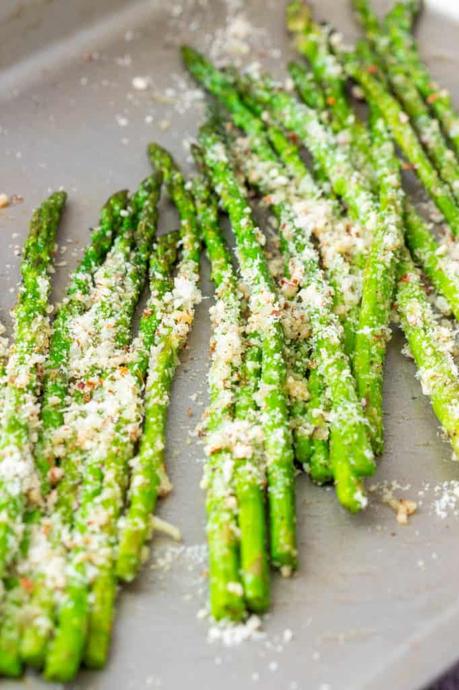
x: 352, y: 241
x: 85, y: 408
x: 300, y: 326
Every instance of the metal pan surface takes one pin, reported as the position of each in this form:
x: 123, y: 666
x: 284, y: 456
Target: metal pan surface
x: 374, y: 605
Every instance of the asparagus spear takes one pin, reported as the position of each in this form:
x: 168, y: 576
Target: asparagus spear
x: 230, y: 413
x: 117, y: 400
x: 11, y: 608
x: 403, y: 14
x: 313, y: 42
x: 19, y: 485
x: 55, y: 383
x: 265, y: 316
x: 310, y: 91
x: 96, y: 334
x: 428, y: 253
x: 366, y: 16
x: 379, y: 280
x: 318, y: 413
x: 379, y: 274
x: 225, y: 576
x: 436, y: 368
x: 149, y: 466
x: 302, y: 402
x: 250, y: 481
x: 350, y: 454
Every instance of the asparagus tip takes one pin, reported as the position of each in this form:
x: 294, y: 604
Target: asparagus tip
x: 298, y: 16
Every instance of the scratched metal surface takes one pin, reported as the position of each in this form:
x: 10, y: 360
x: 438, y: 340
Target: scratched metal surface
x: 374, y: 605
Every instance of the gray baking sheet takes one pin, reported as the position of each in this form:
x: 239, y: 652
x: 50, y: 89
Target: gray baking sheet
x: 374, y: 605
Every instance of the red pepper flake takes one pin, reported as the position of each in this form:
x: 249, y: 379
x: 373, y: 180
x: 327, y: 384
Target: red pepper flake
x: 331, y: 100
x: 26, y: 584
x: 432, y: 97
x: 294, y: 138
x: 372, y: 69
x: 405, y: 278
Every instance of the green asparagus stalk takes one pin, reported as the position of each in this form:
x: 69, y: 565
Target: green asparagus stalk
x: 436, y: 368
x: 103, y: 481
x: 428, y: 254
x: 401, y: 17
x: 305, y: 83
x: 247, y: 479
x: 379, y: 281
x: 296, y: 331
x: 403, y: 14
x: 96, y: 334
x: 4, y: 347
x: 172, y: 335
x: 19, y: 485
x: 11, y: 608
x: 226, y: 591
x: 318, y: 409
x: 299, y: 402
x: 313, y: 42
x: 250, y: 481
x: 366, y: 16
x: 264, y: 309
x: 312, y: 95
x: 98, y: 338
